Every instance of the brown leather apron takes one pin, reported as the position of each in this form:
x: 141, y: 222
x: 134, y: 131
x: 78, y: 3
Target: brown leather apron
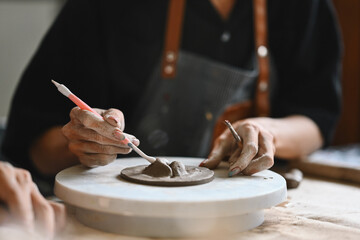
x: 188, y: 96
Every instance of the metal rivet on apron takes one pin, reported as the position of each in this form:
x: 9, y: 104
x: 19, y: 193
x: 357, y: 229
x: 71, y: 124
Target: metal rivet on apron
x: 208, y: 116
x: 170, y: 56
x: 263, y: 86
x: 225, y: 37
x: 262, y: 51
x: 169, y: 69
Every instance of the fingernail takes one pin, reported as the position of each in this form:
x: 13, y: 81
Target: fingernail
x: 234, y: 171
x: 112, y: 118
x: 119, y: 135
x: 136, y: 141
x: 203, y: 163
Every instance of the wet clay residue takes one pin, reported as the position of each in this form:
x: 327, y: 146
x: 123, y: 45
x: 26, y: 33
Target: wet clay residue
x: 163, y: 173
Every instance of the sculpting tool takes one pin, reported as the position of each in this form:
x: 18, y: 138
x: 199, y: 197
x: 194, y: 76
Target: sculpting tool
x: 233, y: 132
x: 66, y: 92
x: 235, y: 170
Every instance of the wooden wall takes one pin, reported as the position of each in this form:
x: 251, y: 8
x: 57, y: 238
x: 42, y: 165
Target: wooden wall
x: 348, y: 130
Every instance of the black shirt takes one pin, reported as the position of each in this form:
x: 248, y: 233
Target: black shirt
x: 104, y: 51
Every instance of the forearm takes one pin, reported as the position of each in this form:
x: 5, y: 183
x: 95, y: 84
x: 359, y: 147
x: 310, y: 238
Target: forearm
x: 50, y: 153
x: 294, y: 136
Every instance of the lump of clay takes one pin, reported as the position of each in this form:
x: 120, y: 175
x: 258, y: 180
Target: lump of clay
x: 293, y: 178
x: 178, y: 169
x: 159, y: 168
x: 163, y: 173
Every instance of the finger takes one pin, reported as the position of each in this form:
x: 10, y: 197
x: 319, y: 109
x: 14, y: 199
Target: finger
x: 95, y: 159
x: 221, y: 150
x: 7, y: 164
x: 7, y: 171
x: 23, y: 177
x: 265, y: 158
x: 80, y: 133
x: 249, y: 134
x: 7, y: 180
x: 115, y: 117
x: 60, y: 215
x: 44, y: 214
x: 259, y: 164
x: 19, y: 201
x: 99, y: 125
x: 82, y: 121
x: 235, y: 156
x: 132, y: 139
x: 15, y: 193
x: 78, y: 147
x: 20, y: 210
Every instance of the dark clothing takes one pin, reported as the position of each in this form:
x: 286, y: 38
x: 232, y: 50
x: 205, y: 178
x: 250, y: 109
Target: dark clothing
x: 105, y: 51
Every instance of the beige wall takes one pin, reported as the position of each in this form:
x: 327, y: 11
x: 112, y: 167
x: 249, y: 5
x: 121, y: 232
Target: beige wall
x: 23, y: 23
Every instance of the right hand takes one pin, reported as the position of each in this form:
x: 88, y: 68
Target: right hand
x: 97, y: 141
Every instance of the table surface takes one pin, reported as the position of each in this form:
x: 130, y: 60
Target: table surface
x: 317, y: 209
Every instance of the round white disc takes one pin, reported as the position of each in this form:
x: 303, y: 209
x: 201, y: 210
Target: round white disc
x: 102, y: 190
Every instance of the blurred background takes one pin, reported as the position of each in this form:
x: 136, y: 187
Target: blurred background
x: 348, y: 130
x: 24, y: 22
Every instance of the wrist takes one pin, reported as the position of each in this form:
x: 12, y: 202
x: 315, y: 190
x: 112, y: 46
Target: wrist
x: 50, y: 153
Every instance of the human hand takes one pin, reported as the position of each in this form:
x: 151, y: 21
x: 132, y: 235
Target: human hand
x: 94, y: 140
x: 254, y: 153
x: 25, y: 206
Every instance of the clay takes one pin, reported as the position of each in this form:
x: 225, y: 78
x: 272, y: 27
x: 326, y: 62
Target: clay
x: 178, y: 169
x: 161, y: 173
x: 159, y: 168
x: 293, y: 178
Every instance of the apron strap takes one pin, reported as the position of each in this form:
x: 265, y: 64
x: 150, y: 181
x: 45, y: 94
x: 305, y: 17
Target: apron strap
x: 262, y: 106
x: 172, y: 43
x: 173, y: 37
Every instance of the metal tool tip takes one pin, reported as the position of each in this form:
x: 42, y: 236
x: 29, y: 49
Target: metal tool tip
x: 228, y: 124
x: 55, y: 83
x: 232, y: 130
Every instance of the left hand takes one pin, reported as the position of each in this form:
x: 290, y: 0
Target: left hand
x: 25, y: 206
x: 253, y: 154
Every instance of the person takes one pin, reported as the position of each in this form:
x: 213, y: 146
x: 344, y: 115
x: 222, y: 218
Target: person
x: 107, y: 53
x: 22, y: 204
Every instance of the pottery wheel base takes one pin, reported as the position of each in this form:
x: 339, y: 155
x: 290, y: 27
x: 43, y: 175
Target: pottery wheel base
x: 224, y: 206
x: 169, y: 227
x: 196, y: 176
